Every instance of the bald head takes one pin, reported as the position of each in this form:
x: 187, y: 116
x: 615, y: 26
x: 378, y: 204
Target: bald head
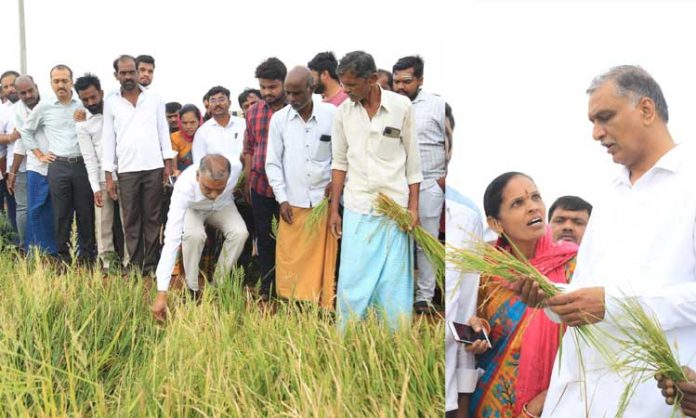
x: 214, y: 167
x: 301, y: 76
x: 299, y: 85
x: 213, y: 174
x: 27, y: 91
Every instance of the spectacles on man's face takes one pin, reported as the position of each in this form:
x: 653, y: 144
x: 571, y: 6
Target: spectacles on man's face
x: 217, y: 100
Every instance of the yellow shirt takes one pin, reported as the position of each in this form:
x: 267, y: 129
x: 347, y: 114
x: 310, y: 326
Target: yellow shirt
x: 183, y: 149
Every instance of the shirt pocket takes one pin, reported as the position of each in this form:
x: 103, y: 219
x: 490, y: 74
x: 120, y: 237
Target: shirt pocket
x: 322, y: 149
x: 388, y: 147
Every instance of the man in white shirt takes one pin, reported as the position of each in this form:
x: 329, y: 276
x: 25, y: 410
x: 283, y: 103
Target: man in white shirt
x: 137, y: 145
x: 640, y: 243
x: 298, y: 166
x: 375, y: 147
x: 461, y: 291
x: 429, y: 116
x: 89, y: 136
x: 221, y: 134
x: 39, y: 231
x: 16, y: 199
x: 202, y: 195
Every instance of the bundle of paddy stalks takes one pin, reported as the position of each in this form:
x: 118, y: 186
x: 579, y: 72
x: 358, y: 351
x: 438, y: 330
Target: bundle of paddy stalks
x: 241, y: 181
x: 433, y: 249
x: 644, y: 351
x: 317, y: 215
x: 490, y: 260
x: 511, y: 266
x: 274, y: 228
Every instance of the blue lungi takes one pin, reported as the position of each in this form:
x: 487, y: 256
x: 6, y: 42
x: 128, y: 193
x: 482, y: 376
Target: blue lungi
x: 39, y: 231
x: 376, y: 270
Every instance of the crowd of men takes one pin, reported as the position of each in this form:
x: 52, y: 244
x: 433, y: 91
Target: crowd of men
x: 117, y: 166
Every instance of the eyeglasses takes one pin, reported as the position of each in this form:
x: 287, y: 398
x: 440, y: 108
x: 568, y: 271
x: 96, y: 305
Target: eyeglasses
x: 215, y: 100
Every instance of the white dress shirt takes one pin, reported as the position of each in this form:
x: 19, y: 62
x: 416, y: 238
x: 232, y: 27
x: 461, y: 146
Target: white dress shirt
x: 461, y: 289
x: 89, y: 136
x: 187, y: 195
x: 640, y: 241
x: 135, y: 138
x: 212, y: 138
x: 298, y: 159
x: 374, y: 160
x: 21, y: 113
x: 7, y: 126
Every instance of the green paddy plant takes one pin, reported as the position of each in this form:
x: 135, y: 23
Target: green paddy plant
x: 317, y: 215
x: 433, y: 249
x: 73, y: 343
x: 644, y: 351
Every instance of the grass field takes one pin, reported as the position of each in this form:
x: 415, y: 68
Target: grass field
x: 75, y: 344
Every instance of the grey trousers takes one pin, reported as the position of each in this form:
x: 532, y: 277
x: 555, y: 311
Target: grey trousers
x: 20, y: 195
x: 431, y: 198
x: 104, y: 224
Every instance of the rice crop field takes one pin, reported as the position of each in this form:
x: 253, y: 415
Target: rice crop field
x: 73, y: 343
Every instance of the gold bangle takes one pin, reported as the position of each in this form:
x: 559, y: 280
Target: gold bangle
x: 527, y: 413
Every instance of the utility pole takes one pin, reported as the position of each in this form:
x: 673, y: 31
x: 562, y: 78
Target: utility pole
x: 22, y: 40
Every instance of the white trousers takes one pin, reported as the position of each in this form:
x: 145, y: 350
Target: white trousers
x: 230, y: 222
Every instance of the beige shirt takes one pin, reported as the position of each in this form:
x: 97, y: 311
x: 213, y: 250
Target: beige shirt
x: 378, y: 155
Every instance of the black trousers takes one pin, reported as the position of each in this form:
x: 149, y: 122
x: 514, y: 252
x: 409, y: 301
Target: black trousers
x: 247, y: 214
x: 71, y: 193
x: 265, y: 208
x: 140, y: 193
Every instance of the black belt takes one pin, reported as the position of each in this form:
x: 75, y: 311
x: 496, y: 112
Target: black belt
x: 69, y: 160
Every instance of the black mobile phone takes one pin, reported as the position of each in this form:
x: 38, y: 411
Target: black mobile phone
x: 391, y: 132
x: 325, y: 138
x: 465, y: 334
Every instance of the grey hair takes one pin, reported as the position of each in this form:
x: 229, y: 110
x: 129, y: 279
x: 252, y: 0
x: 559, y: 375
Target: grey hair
x: 213, y: 171
x: 634, y: 82
x: 360, y: 63
x: 23, y: 78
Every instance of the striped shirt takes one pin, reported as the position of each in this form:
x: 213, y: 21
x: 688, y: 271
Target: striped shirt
x: 429, y: 115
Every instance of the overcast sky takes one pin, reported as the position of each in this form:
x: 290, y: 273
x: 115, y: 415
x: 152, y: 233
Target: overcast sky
x: 515, y: 72
x: 526, y: 70
x: 198, y: 44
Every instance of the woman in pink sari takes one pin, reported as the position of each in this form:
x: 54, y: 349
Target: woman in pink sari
x: 518, y: 367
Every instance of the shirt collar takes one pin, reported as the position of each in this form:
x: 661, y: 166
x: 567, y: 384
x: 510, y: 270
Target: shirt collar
x: 229, y: 123
x: 91, y: 115
x: 295, y: 114
x: 671, y: 162
x: 385, y: 101
x: 72, y: 98
x: 142, y: 90
x: 420, y: 96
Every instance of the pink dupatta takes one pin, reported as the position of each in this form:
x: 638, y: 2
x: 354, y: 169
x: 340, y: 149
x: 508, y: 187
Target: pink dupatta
x: 540, y: 339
